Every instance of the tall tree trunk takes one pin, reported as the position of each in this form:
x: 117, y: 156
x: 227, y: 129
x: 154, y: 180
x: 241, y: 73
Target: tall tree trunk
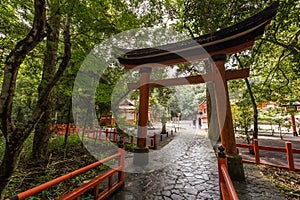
x: 15, y: 136
x: 253, y: 102
x: 42, y: 131
x: 255, y: 112
x: 9, y: 163
x: 68, y: 123
x: 41, y: 138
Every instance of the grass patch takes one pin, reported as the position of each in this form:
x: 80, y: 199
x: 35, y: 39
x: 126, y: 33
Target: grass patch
x: 287, y: 182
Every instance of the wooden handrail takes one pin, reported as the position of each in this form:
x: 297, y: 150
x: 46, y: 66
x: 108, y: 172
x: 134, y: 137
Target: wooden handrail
x: 44, y: 186
x: 230, y: 188
x: 113, y: 139
x: 84, y: 188
x: 288, y: 150
x: 227, y: 190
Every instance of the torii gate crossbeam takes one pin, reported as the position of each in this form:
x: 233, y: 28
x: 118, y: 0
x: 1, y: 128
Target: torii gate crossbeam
x: 217, y: 46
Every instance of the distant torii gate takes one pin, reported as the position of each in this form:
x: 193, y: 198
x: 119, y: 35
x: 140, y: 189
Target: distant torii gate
x: 218, y: 46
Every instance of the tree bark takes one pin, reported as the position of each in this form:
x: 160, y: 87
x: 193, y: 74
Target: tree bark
x: 15, y: 136
x: 42, y: 131
x: 255, y: 112
x: 68, y: 123
x: 253, y: 102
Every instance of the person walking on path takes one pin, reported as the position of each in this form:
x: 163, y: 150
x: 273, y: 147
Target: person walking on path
x: 194, y: 122
x: 199, y: 120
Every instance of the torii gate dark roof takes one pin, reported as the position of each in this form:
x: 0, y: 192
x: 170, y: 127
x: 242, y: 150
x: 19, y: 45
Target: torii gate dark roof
x: 233, y: 39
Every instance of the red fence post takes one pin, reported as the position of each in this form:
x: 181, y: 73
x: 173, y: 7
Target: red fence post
x: 222, y: 160
x: 227, y: 190
x: 290, y: 156
x: 106, y: 134
x: 122, y: 164
x: 78, y: 129
x: 115, y: 135
x: 100, y: 134
x: 132, y: 139
x: 94, y: 133
x: 256, y: 151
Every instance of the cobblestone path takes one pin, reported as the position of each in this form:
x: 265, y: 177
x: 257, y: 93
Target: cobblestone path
x: 186, y: 168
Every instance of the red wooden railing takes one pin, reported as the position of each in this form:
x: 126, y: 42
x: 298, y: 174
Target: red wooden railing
x: 227, y: 190
x: 153, y: 142
x: 288, y: 150
x: 109, y: 135
x: 60, y: 129
x: 93, y: 184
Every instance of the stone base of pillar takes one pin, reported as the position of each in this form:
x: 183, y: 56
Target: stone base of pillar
x: 141, y: 156
x: 235, y: 168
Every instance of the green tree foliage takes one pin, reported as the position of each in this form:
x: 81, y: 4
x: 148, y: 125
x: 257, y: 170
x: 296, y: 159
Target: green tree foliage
x: 14, y: 133
x: 274, y: 60
x: 91, y: 22
x: 277, y: 63
x: 201, y: 17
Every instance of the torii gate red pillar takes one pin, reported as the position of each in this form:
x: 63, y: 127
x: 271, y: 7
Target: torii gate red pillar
x: 143, y: 108
x: 141, y: 156
x: 221, y: 90
x: 235, y: 165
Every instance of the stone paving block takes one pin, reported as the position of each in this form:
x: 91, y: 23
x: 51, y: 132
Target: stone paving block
x: 177, y: 197
x: 166, y: 193
x: 192, y: 191
x: 189, y: 196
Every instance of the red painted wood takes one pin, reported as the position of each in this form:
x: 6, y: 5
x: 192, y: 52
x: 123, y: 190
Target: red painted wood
x: 230, y: 75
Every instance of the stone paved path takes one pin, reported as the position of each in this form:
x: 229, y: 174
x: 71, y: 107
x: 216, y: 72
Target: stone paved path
x: 186, y: 168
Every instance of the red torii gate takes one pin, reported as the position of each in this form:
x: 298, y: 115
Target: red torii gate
x: 217, y: 46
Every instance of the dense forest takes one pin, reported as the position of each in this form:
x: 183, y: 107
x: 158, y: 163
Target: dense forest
x: 44, y: 43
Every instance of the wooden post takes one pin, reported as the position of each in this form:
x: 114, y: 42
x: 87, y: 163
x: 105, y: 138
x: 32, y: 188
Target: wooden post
x: 290, y: 156
x: 294, y: 129
x: 100, y: 134
x: 96, y: 192
x: 256, y: 151
x: 223, y: 105
x: 154, y: 139
x: 94, y: 133
x: 235, y: 163
x: 143, y: 108
x: 115, y: 135
x: 88, y: 132
x: 141, y: 156
x: 222, y: 160
x: 132, y: 139
x: 110, y: 183
x: 106, y: 134
x: 121, y: 175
